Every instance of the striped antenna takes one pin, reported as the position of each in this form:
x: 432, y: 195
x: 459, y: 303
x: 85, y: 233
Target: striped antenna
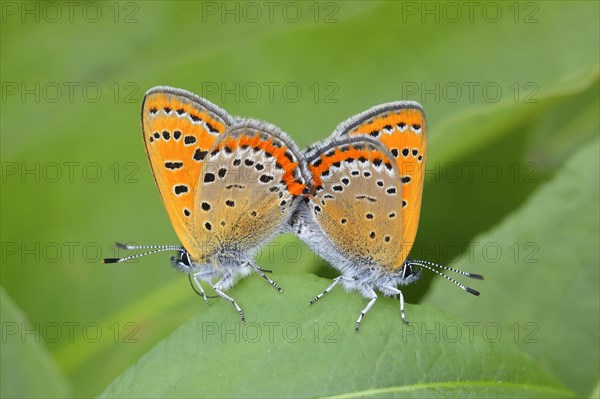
x: 466, y: 274
x: 155, y: 249
x: 426, y: 265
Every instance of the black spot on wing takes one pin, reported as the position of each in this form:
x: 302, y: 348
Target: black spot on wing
x: 289, y: 156
x: 266, y: 178
x: 173, y: 165
x: 180, y: 189
x: 209, y: 177
x: 211, y: 128
x: 199, y: 155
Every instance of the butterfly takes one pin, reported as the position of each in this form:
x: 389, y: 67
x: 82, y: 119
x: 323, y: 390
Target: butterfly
x: 362, y: 211
x: 228, y: 185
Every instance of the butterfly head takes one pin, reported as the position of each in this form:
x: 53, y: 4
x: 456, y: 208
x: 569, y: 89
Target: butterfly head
x: 408, y: 274
x: 183, y: 262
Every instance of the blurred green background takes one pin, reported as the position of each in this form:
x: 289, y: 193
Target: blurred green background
x: 511, y: 95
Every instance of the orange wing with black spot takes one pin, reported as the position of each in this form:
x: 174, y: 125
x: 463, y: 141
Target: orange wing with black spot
x: 178, y: 129
x: 356, y: 199
x: 248, y: 189
x: 401, y: 126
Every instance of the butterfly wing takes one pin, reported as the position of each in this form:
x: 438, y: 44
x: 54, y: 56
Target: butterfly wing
x: 178, y: 129
x: 401, y: 126
x: 357, y: 199
x: 248, y: 189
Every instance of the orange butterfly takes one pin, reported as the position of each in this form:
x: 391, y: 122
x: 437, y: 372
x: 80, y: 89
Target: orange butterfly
x: 228, y: 185
x: 362, y: 213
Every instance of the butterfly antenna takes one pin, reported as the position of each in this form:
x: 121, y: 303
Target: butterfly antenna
x: 464, y: 287
x: 466, y: 274
x: 155, y: 249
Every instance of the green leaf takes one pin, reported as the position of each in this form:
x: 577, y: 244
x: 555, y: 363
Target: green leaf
x: 288, y: 349
x: 28, y: 371
x: 542, y: 273
x: 501, y: 157
x: 596, y: 392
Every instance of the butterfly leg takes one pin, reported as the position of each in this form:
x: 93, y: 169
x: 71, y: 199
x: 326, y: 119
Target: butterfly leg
x: 261, y: 272
x: 396, y: 291
x: 322, y: 294
x: 373, y: 298
x: 196, y: 280
x: 265, y: 270
x: 225, y: 283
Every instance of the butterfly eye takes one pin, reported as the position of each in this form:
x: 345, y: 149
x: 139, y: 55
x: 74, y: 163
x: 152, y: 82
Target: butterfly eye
x: 185, y: 258
x: 407, y: 271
